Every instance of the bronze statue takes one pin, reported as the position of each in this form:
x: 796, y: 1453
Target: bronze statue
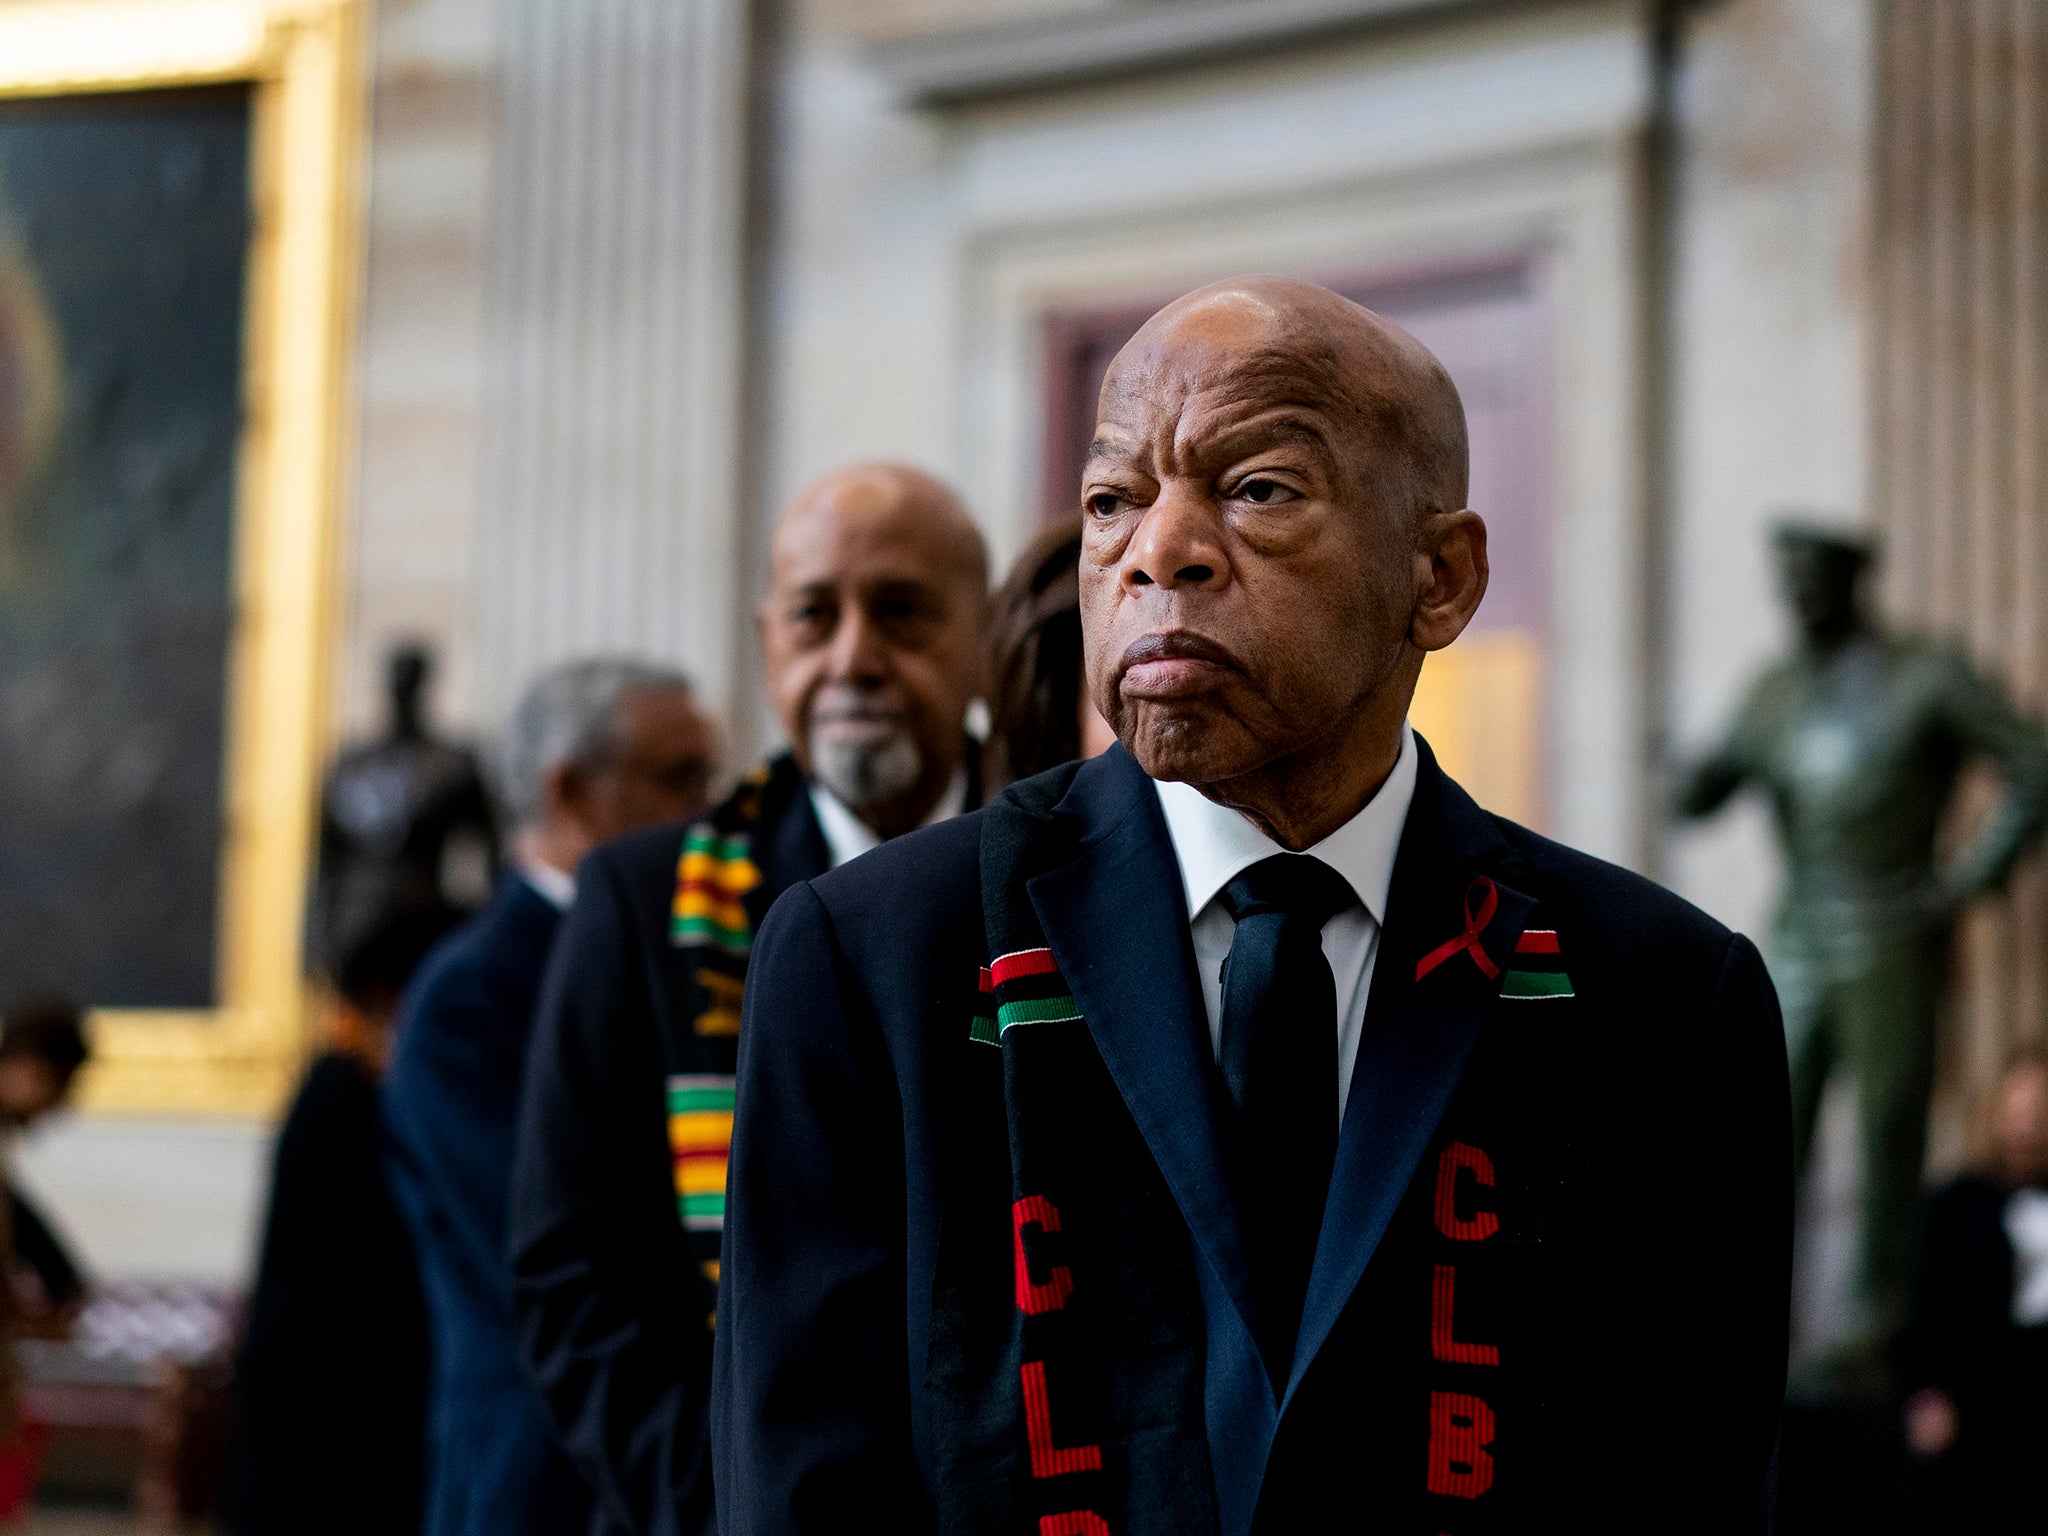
x: 405, y: 825
x: 1858, y: 738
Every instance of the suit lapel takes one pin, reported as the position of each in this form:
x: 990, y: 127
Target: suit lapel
x: 1117, y: 923
x: 790, y: 845
x: 1418, y: 1035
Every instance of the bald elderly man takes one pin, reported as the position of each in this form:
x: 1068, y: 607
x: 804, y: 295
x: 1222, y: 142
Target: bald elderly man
x: 872, y: 640
x: 1244, y: 1131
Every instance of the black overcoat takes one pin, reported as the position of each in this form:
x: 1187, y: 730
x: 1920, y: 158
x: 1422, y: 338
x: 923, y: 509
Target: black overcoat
x: 1552, y: 1285
x: 451, y: 1105
x: 614, y: 1306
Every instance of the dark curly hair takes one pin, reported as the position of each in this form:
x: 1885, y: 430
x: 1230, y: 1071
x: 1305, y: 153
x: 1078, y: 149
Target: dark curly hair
x: 48, y: 1027
x: 1034, y: 694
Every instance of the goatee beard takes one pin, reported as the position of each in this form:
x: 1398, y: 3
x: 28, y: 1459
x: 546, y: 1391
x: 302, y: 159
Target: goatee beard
x: 866, y: 775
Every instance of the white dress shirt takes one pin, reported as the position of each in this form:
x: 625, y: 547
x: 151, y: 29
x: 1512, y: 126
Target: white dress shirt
x: 555, y: 887
x: 1215, y: 844
x: 848, y: 837
x: 2026, y: 1228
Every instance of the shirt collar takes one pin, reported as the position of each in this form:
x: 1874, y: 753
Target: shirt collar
x: 1214, y: 844
x: 555, y: 887
x: 847, y: 837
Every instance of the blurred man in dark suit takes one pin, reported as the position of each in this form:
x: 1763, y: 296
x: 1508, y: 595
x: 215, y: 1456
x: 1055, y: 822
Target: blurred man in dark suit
x: 595, y: 749
x: 327, y: 1422
x: 1242, y: 1131
x: 872, y: 638
x: 42, y: 1048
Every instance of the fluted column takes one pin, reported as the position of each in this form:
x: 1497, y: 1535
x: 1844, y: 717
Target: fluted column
x: 611, y: 516
x: 1960, y: 459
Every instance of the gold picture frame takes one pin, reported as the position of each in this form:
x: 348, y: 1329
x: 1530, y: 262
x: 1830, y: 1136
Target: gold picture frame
x: 304, y: 62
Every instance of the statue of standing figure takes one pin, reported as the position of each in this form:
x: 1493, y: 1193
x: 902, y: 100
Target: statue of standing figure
x: 406, y: 825
x: 1858, y: 737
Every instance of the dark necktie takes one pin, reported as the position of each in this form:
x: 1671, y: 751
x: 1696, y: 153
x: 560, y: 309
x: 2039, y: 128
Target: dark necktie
x: 1279, y: 1064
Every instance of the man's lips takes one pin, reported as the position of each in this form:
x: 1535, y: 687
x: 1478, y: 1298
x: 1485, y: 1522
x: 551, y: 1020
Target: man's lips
x: 1175, y: 664
x: 859, y: 722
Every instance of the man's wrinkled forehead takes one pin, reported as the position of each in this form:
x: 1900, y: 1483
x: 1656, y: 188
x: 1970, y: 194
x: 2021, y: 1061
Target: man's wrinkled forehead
x: 830, y: 552
x: 1186, y: 376
x: 868, y: 524
x: 862, y: 552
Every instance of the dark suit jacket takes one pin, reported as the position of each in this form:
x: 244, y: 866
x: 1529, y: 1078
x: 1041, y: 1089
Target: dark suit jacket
x: 1960, y: 1338
x: 1602, y: 1178
x: 451, y: 1106
x: 614, y: 1311
x: 327, y: 1423
x: 39, y: 1250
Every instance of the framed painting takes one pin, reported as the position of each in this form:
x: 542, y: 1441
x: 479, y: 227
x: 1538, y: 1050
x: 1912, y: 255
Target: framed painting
x: 178, y: 256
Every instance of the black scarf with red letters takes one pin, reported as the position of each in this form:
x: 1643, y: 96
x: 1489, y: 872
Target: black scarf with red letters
x: 1066, y: 1369
x: 1072, y: 1406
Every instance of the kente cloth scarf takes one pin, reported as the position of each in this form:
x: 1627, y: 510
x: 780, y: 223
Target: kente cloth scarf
x: 1066, y: 1357
x: 711, y: 925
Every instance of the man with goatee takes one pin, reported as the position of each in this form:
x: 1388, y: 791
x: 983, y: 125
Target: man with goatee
x: 872, y: 639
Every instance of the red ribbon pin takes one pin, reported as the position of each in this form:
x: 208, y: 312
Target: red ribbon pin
x: 1475, y: 925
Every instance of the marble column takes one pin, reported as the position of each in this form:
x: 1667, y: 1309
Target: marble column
x: 617, y: 302
x: 1959, y: 461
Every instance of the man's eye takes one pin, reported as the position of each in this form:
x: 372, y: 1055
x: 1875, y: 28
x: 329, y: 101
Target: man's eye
x: 1104, y: 503
x: 1264, y: 493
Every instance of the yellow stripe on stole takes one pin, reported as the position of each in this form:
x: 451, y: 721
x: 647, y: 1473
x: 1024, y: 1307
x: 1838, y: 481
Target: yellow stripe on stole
x: 735, y: 877
x: 700, y: 1130
x: 726, y: 913
x: 721, y: 1015
x: 700, y: 1174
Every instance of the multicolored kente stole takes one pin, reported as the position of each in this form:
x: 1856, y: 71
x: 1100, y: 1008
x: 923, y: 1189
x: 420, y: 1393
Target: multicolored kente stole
x: 1066, y: 1357
x: 710, y: 923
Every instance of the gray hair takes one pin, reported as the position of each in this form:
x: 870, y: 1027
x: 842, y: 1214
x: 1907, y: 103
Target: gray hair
x: 573, y: 716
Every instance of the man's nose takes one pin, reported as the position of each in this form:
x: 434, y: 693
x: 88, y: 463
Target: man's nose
x: 859, y: 653
x: 1179, y: 542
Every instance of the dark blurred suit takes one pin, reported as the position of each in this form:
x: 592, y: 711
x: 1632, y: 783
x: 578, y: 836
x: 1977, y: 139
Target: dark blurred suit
x: 1972, y: 1334
x: 451, y: 1113
x: 613, y: 1292
x: 326, y: 1431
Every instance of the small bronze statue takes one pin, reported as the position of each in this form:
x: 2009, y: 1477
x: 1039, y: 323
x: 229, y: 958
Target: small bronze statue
x: 1858, y: 737
x: 405, y: 825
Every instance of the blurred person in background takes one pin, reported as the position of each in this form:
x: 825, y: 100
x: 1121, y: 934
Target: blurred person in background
x: 327, y: 1423
x: 873, y: 638
x: 1039, y: 712
x: 42, y: 1048
x: 595, y: 749
x: 1976, y: 1343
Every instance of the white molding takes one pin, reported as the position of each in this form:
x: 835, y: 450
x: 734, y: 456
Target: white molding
x: 959, y: 67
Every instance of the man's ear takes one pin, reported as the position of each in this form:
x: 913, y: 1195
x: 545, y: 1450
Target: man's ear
x: 563, y: 791
x: 1454, y: 545
x: 984, y: 618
